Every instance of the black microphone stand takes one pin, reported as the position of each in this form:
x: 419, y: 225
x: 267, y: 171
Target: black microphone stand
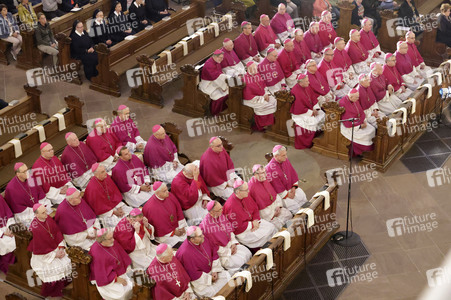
x: 348, y: 238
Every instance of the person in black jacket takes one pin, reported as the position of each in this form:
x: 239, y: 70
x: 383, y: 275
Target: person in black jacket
x: 67, y: 5
x: 410, y: 17
x: 118, y: 24
x: 444, y: 25
x: 10, y: 5
x: 157, y: 9
x: 81, y: 48
x: 137, y: 12
x: 99, y: 31
x: 372, y: 11
x: 357, y: 13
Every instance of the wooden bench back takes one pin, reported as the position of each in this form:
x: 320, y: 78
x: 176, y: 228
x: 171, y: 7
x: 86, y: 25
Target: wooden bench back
x: 115, y: 61
x: 305, y: 243
x: 28, y: 104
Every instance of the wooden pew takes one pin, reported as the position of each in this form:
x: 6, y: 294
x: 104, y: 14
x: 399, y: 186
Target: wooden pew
x: 5, y: 46
x: 31, y: 57
x: 432, y: 51
x: 152, y: 84
x: 19, y: 272
x: 235, y: 6
x: 30, y: 139
x: 387, y: 148
x: 115, y: 61
x: 194, y: 103
x: 388, y: 35
x: 173, y: 131
x: 305, y: 244
x: 344, y: 23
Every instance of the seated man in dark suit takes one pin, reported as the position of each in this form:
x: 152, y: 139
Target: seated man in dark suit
x: 157, y: 9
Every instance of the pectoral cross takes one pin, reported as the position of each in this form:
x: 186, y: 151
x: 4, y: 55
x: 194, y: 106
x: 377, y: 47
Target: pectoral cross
x: 129, y: 135
x: 172, y: 218
x: 135, y: 178
x: 177, y: 282
x: 84, y: 220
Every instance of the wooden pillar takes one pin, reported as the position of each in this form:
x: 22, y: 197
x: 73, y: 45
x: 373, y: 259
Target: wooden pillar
x: 74, y: 103
x: 147, y: 90
x: 194, y: 103
x: 107, y: 81
x: 331, y: 142
x: 432, y: 52
x: 344, y: 23
x: 30, y: 57
x: 35, y: 96
x: 388, y: 36
x: 279, y: 131
x: 64, y: 57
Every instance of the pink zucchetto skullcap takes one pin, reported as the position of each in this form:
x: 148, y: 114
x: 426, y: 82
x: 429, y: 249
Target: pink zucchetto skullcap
x: 161, y: 248
x: 399, y: 43
x: 43, y: 145
x: 36, y: 206
x: 118, y: 149
x: 94, y: 167
x: 270, y: 50
x: 101, y: 231
x: 337, y: 39
x: 276, y: 148
x: 325, y: 12
x: 287, y: 41
x: 210, y: 205
x: 313, y: 24
x: 155, y: 128
x: 353, y: 91
x: 135, y: 212
x: 352, y: 31
x: 218, y: 52
x: 263, y: 15
x: 238, y: 183
x: 373, y: 65
x: 365, y: 20
x: 388, y: 55
x: 98, y: 120
x: 191, y: 230
x: 244, y: 23
x: 297, y: 30
x: 156, y: 185
x: 309, y: 61
x: 362, y: 76
x: 18, y: 165
x: 301, y: 76
x: 212, y: 139
x: 226, y: 40
x: 255, y: 168
x: 122, y: 107
x: 70, y: 191
x: 409, y: 32
x: 327, y: 49
x: 250, y: 63
x: 67, y: 135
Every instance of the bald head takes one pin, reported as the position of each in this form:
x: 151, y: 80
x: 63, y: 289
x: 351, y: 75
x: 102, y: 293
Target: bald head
x: 264, y: 20
x: 281, y: 9
x: 72, y: 140
x: 100, y: 173
x: 228, y: 45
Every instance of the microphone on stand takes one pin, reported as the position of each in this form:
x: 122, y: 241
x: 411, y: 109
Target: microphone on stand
x: 350, y: 119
